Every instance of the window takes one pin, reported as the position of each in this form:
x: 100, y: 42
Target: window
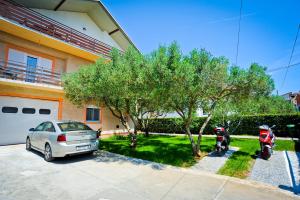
x: 73, y: 126
x: 21, y: 57
x: 93, y: 114
x: 46, y: 64
x: 44, y: 111
x: 7, y: 109
x: 28, y: 110
x: 39, y: 127
x: 49, y: 127
x: 16, y: 56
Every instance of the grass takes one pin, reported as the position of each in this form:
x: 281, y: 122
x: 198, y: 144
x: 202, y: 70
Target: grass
x: 176, y: 151
x: 172, y: 150
x: 241, y: 162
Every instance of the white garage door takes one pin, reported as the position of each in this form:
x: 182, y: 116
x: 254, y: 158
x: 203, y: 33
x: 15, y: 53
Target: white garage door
x: 18, y: 115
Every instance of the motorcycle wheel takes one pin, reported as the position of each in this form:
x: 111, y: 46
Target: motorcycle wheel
x: 226, y: 148
x: 266, y: 153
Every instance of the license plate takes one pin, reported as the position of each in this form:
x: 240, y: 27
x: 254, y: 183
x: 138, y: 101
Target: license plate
x: 81, y: 148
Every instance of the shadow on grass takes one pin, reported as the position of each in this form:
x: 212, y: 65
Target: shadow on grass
x: 238, y: 154
x: 256, y: 155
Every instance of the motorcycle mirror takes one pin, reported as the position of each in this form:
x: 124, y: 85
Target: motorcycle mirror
x: 273, y: 126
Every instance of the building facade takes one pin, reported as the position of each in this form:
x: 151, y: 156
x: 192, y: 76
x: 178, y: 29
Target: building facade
x: 39, y: 42
x: 293, y: 98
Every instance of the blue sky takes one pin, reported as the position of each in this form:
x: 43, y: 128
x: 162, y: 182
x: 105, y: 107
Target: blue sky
x: 268, y: 30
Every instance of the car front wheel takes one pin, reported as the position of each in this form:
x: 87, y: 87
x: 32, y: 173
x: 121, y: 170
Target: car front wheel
x: 48, y: 153
x: 28, y: 144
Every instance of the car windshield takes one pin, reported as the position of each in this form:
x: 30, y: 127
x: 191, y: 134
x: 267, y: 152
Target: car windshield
x: 73, y: 126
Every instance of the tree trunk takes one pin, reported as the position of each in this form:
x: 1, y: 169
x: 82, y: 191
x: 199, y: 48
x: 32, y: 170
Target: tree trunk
x: 146, y: 132
x: 202, y: 130
x: 195, y: 150
x: 133, y: 137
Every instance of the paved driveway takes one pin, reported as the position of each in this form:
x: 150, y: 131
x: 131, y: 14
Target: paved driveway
x: 25, y: 175
x: 274, y: 171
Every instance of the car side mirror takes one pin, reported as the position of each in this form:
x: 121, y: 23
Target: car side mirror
x: 31, y: 129
x: 98, y: 133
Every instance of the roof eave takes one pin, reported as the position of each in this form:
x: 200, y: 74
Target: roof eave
x: 117, y: 24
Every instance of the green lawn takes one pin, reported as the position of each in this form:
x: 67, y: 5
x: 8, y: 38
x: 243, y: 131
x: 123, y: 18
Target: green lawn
x: 176, y: 151
x: 241, y: 162
x: 172, y: 150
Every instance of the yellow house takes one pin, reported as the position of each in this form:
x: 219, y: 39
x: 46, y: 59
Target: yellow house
x: 40, y: 40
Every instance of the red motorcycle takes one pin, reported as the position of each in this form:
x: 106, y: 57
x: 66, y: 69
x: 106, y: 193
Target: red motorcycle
x: 266, y: 140
x: 222, y: 140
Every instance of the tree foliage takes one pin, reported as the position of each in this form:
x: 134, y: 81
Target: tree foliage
x: 135, y: 87
x: 264, y: 105
x: 252, y: 106
x: 119, y: 84
x: 199, y: 79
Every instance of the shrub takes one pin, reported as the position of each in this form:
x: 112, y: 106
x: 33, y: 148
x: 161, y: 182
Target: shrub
x: 119, y: 137
x: 248, y: 124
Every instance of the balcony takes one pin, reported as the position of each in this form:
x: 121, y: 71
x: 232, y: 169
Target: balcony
x: 35, y: 21
x: 21, y: 72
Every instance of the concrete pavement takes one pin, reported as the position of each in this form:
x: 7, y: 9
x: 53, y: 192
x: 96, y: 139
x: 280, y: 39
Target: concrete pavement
x: 25, y: 175
x: 213, y: 161
x: 274, y: 171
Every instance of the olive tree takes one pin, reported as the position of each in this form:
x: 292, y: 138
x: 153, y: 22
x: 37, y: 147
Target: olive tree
x: 119, y: 84
x: 186, y: 82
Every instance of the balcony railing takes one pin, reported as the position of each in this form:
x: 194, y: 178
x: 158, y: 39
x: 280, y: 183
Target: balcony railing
x: 36, y: 21
x: 20, y: 71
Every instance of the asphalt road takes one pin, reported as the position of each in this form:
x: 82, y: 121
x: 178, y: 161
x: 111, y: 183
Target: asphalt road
x: 25, y: 175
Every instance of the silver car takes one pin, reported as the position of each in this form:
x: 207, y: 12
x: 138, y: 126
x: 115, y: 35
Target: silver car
x: 61, y: 138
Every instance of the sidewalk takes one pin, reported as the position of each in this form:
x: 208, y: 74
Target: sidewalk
x: 232, y: 136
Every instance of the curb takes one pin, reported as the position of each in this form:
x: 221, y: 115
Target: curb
x: 296, y: 188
